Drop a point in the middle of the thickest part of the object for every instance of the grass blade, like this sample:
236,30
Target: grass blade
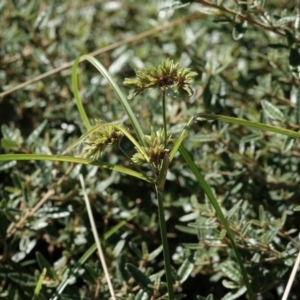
76,160
117,90
39,285
75,87
251,124
220,214
180,139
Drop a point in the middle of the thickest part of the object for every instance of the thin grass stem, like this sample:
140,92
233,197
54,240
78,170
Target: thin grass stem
292,278
163,233
164,115
96,238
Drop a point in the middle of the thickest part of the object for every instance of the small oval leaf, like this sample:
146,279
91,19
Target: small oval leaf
9,144
43,18
139,277
272,111
185,269
155,253
22,279
44,264
36,133
297,208
287,144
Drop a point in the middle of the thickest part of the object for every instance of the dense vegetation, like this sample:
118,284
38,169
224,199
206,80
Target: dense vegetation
242,104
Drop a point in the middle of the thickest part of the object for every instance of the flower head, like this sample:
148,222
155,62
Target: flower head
99,139
164,76
154,148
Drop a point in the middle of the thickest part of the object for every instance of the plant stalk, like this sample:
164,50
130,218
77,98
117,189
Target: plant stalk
164,115
166,253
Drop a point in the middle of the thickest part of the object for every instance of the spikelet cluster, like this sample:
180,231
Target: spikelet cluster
99,139
154,148
166,75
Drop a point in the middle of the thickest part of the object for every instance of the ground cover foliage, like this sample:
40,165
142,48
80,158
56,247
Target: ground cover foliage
247,60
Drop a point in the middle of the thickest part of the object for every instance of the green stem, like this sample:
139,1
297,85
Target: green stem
164,115
163,233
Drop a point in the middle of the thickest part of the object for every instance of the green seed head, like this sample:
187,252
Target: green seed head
99,139
164,76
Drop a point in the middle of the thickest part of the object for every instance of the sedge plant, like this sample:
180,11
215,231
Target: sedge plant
155,150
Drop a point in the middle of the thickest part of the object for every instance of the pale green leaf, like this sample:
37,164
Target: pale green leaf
272,111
